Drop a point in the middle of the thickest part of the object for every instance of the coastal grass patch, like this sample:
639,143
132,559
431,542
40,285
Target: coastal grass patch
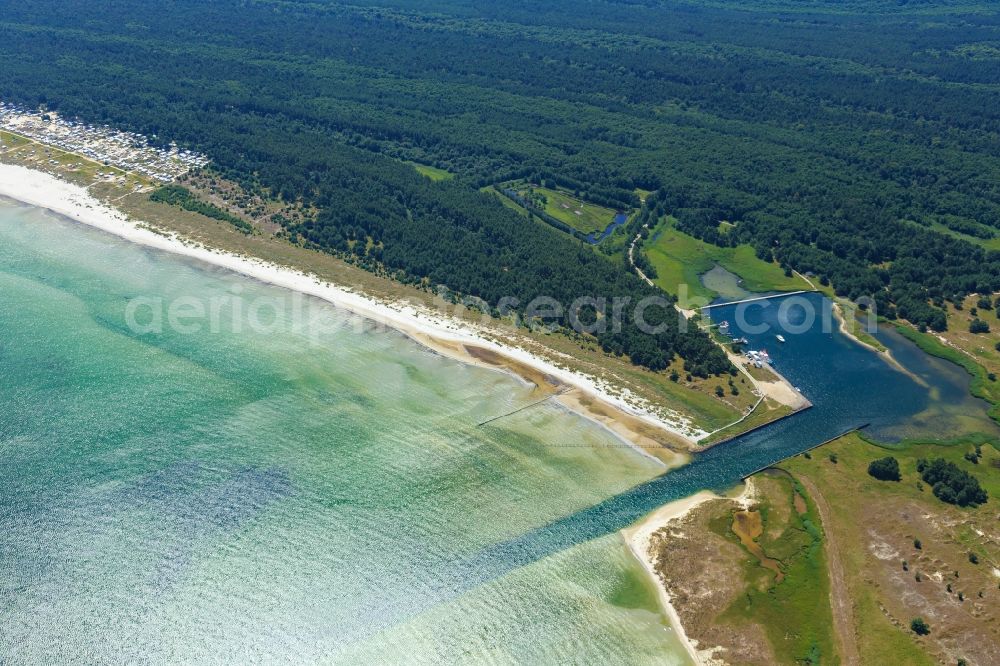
681,260
767,412
68,166
957,451
11,141
854,323
695,398
876,524
787,588
981,347
178,195
854,452
854,318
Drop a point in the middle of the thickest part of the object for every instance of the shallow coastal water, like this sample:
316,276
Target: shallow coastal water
726,284
313,489
304,488
849,385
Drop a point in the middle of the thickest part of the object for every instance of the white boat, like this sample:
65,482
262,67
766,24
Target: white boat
780,338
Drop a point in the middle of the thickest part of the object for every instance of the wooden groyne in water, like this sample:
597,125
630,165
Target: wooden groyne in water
758,298
520,409
816,446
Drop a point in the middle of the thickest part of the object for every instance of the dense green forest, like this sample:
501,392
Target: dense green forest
857,140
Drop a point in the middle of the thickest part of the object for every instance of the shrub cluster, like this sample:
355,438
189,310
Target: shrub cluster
951,484
885,469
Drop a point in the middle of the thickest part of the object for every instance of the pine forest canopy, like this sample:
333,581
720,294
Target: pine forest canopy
856,140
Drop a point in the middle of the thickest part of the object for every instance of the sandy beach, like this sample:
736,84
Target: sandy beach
639,537
620,412
642,428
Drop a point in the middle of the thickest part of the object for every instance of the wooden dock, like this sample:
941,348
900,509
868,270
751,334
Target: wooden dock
758,298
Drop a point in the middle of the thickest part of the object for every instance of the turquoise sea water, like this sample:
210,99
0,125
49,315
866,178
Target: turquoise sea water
310,490
254,495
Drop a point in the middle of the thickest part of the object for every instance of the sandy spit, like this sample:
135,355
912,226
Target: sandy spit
639,538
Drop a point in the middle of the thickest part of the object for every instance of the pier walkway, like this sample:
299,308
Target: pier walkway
758,298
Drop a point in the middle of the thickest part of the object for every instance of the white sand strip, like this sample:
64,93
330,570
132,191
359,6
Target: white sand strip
46,191
639,537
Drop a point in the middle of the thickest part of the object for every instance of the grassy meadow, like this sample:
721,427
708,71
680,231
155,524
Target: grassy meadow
432,172
879,525
787,588
585,217
680,259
